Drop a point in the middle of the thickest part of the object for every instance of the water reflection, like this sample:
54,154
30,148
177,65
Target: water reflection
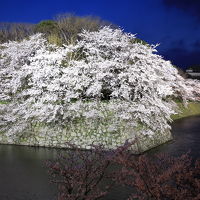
24,177
186,134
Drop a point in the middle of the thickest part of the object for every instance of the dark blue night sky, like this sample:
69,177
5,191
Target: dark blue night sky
175,24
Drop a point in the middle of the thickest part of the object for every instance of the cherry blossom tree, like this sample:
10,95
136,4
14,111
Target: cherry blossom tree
105,77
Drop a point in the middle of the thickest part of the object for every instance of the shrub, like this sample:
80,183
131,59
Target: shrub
54,39
47,27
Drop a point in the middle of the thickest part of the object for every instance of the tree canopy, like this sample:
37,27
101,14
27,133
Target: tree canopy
103,74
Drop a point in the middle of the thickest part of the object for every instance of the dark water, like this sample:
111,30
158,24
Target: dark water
23,175
186,137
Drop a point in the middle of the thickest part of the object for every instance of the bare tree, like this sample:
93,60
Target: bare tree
161,177
15,31
79,175
70,26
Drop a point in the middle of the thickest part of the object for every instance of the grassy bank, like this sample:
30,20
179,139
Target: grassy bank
3,102
192,109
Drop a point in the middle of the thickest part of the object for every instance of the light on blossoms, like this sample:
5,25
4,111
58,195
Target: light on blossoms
106,75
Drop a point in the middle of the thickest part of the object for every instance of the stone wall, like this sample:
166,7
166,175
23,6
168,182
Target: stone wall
84,134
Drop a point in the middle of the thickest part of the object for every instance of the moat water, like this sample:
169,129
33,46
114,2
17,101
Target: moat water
23,175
